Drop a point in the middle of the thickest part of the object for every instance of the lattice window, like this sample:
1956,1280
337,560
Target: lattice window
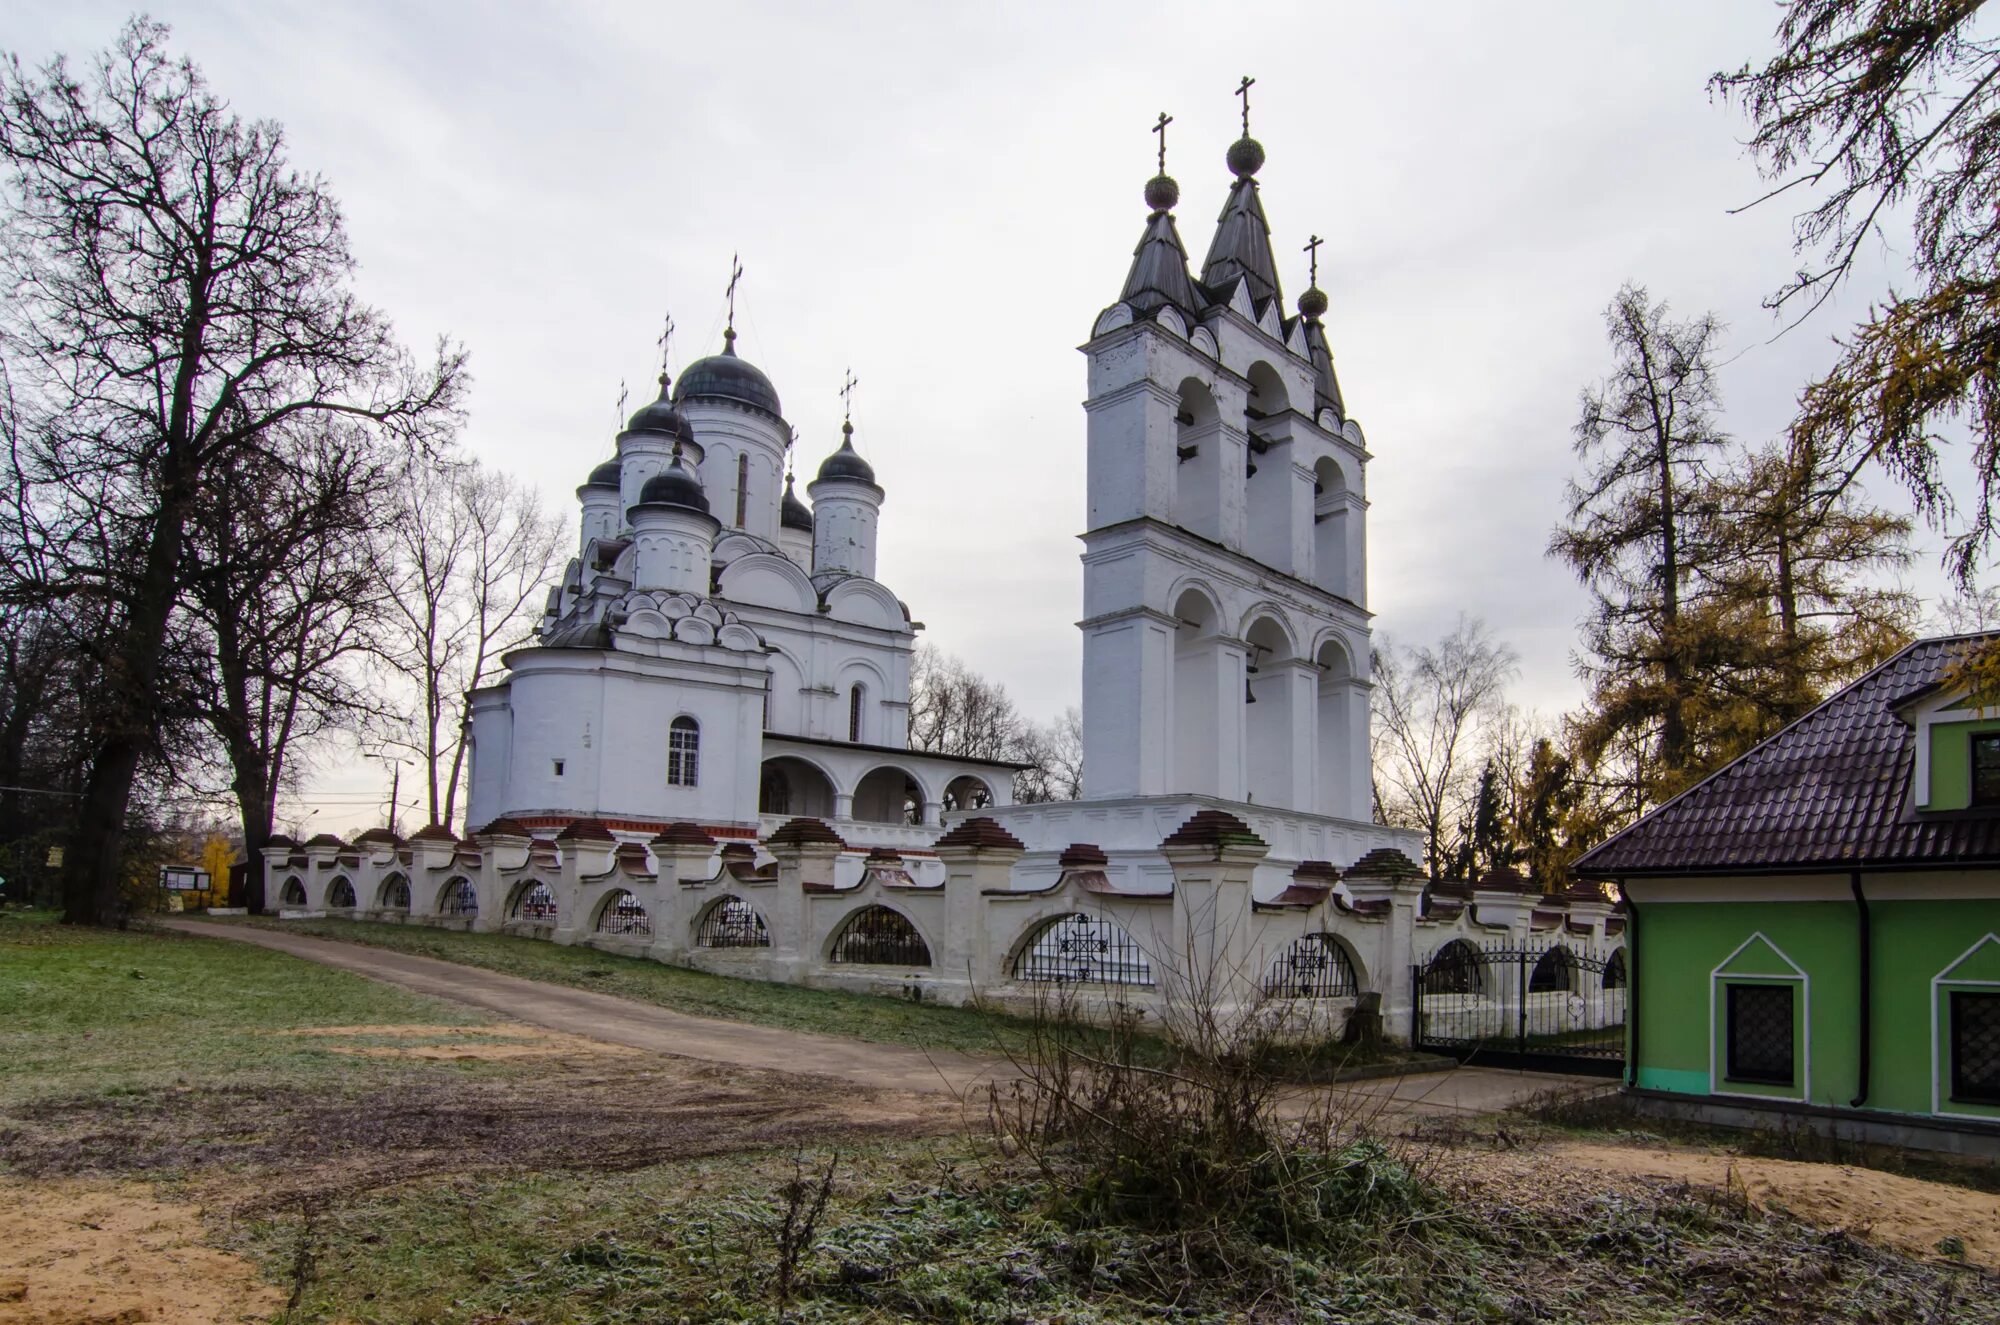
1456,969
340,894
1986,769
460,898
684,753
1614,970
877,936
1975,1047
624,915
1312,967
1085,950
1761,1036
293,893
732,923
537,903
396,893
1554,973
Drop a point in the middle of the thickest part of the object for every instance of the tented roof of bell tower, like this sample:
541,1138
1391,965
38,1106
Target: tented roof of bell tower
1241,249
1159,275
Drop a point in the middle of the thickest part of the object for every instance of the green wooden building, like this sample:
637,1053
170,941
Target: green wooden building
1814,931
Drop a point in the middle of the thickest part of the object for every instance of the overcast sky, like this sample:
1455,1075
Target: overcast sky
944,197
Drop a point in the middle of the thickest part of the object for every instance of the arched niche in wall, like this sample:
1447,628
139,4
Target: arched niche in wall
889,795
794,788
1273,720
1334,725
1330,517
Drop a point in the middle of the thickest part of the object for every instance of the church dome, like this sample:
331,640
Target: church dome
676,485
794,514
846,463
661,417
725,377
606,475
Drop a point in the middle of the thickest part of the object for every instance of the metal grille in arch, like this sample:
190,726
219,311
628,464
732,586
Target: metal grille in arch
1312,967
624,915
877,936
1083,949
732,923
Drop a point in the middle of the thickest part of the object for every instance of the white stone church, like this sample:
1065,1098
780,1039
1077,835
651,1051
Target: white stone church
703,757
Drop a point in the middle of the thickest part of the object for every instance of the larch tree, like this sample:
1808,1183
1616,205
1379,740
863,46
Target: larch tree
178,295
471,555
1640,533
1880,114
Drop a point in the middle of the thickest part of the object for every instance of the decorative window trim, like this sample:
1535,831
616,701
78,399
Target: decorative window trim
1717,1044
1941,984
1939,713
1972,773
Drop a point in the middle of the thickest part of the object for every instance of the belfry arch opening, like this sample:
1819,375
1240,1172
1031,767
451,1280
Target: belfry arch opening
1197,692
1273,716
1198,462
1335,696
1267,473
1330,518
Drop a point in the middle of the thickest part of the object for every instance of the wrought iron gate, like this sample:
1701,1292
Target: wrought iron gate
1546,1007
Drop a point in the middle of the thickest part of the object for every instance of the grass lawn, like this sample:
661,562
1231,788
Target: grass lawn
92,1012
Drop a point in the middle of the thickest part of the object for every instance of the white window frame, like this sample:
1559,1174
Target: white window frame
1940,1050
1717,1049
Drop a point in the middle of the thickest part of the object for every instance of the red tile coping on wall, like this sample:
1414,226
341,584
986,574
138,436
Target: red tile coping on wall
980,833
434,833
649,826
328,840
1506,879
585,830
683,834
1316,873
503,827
1385,863
805,832
374,835
1082,855
1213,828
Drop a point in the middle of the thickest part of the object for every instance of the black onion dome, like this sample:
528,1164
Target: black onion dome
606,475
846,463
660,417
793,513
676,485
725,377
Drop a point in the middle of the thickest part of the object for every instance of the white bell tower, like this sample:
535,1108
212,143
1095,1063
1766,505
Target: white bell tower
1225,624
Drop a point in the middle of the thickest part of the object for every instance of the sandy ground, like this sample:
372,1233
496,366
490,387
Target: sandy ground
1907,1214
458,1044
107,1253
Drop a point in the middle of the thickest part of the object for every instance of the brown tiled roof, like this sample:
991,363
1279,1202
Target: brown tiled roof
1831,791
324,840
280,840
503,827
434,833
1316,872
804,832
373,835
1213,828
586,830
683,835
979,832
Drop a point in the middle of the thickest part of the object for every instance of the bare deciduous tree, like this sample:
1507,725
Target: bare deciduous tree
1430,704
177,292
956,711
471,553
1053,752
286,578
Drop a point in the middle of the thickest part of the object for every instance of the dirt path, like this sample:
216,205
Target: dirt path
637,1025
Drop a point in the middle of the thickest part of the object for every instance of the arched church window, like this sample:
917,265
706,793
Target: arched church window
855,699
742,489
684,753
